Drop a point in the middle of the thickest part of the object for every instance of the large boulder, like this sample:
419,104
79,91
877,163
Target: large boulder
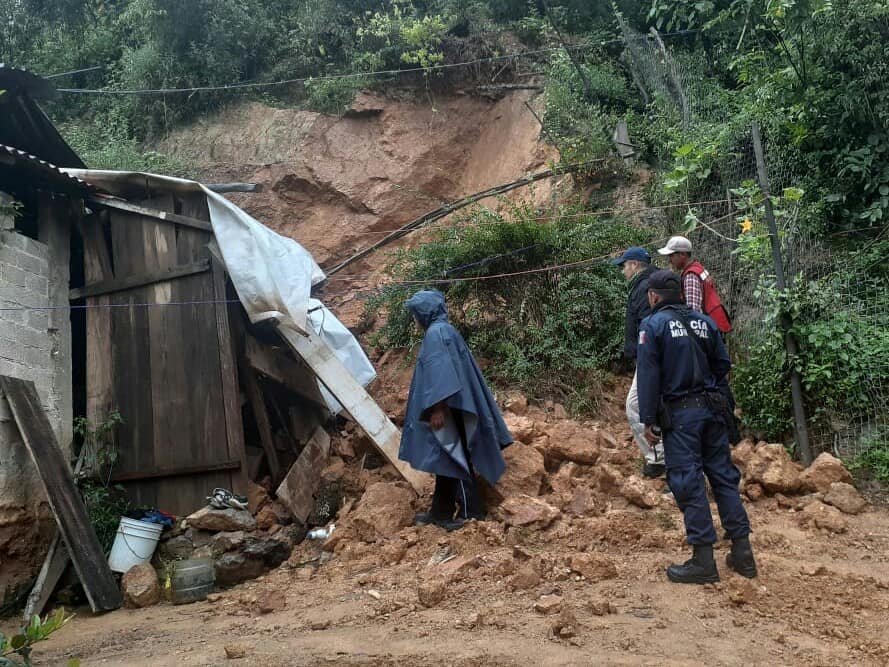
771,467
227,520
640,493
593,566
524,471
824,471
570,441
523,510
845,498
384,509
140,586
523,429
234,567
742,453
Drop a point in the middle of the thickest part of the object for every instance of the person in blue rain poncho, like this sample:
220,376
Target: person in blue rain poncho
452,426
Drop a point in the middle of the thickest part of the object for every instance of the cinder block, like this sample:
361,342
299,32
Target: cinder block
12,276
38,285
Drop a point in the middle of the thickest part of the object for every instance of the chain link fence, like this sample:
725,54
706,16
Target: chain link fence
845,311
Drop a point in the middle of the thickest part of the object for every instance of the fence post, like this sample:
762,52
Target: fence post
796,390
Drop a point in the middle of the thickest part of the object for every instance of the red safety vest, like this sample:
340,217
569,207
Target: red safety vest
712,303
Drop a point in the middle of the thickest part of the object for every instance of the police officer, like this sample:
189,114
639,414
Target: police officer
680,360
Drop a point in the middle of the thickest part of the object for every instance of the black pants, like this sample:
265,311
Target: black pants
451,493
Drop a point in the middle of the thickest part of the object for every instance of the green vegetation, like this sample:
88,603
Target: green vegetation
16,651
552,334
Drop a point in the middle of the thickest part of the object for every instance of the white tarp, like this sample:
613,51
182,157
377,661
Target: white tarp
273,275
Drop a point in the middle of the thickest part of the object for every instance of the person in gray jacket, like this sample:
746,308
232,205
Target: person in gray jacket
635,264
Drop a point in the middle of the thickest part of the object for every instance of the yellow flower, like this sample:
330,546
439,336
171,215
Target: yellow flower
746,226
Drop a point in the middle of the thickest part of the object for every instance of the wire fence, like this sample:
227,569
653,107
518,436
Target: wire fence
730,239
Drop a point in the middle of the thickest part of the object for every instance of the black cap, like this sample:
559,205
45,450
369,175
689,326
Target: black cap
663,280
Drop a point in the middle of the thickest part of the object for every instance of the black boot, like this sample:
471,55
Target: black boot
740,558
700,569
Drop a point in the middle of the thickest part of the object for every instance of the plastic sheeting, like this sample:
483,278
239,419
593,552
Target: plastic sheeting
273,275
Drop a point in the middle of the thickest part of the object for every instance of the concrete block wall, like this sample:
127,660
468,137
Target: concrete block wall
34,345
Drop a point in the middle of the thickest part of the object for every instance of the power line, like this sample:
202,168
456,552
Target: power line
336,77
76,71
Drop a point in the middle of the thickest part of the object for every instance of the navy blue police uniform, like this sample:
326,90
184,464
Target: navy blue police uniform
680,377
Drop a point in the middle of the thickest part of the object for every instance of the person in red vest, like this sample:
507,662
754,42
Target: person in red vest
698,287
700,295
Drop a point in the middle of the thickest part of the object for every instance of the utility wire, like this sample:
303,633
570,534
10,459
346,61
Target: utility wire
336,77
76,71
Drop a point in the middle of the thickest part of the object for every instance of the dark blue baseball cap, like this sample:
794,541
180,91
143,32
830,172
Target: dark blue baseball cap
637,253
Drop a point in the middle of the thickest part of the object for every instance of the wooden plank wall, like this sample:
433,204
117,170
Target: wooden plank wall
167,369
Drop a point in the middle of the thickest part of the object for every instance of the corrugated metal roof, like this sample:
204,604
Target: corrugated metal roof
20,171
14,78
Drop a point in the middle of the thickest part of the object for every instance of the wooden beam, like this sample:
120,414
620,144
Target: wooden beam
64,498
53,567
140,280
297,491
159,473
234,425
283,369
257,404
172,218
354,398
235,187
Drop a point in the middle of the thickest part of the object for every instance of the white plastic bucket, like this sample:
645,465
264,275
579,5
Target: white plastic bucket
134,544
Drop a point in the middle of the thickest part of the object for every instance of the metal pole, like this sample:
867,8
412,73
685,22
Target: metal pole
796,389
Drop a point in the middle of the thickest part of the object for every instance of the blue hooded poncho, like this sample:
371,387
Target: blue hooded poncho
446,371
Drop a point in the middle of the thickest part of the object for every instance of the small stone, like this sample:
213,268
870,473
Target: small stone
215,520
565,626
320,625
741,591
812,570
235,652
754,491
523,510
601,607
518,405
593,566
177,548
431,593
140,586
771,468
525,579
375,594
640,493
845,498
548,604
266,518
271,601
213,598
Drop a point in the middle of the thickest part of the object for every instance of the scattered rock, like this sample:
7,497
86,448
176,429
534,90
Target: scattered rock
518,405
225,542
601,607
140,586
581,503
431,593
257,496
334,471
234,567
523,510
812,570
640,493
320,625
608,478
742,453
266,518
823,516
593,566
771,467
177,548
559,411
216,520
235,652
213,598
570,441
565,625
548,604
524,579
271,601
458,569
754,491
524,471
523,429
741,591
824,471
845,498
374,593
384,509
270,550
566,478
